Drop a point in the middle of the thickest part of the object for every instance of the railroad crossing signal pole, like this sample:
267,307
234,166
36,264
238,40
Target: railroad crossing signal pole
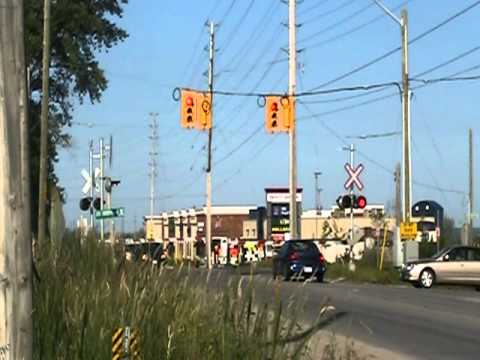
292,79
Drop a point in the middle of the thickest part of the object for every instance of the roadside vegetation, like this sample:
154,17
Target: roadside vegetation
83,292
366,270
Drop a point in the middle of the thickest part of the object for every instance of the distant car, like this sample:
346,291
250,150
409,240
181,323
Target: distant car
452,265
297,258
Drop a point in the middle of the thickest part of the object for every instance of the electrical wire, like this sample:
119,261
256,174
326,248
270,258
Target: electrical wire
398,48
327,13
313,7
337,23
236,28
351,30
425,72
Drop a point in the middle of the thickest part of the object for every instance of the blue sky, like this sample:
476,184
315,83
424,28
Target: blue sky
165,50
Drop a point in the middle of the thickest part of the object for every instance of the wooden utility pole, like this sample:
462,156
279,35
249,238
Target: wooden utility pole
15,227
43,177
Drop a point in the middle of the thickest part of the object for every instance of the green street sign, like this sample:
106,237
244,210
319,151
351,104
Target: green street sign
109,213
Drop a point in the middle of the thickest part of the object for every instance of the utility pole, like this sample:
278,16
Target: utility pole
153,163
209,159
398,195
407,160
102,187
317,201
397,255
471,205
292,82
406,94
15,226
43,176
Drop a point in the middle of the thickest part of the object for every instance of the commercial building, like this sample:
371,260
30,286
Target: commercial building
184,227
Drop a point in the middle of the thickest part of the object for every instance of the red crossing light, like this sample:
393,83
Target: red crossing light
361,202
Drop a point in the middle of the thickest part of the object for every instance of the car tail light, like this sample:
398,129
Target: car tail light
294,256
322,259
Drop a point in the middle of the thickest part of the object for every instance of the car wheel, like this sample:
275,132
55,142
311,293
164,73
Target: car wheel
427,278
319,278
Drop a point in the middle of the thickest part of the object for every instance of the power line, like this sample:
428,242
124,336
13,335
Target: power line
313,7
337,23
425,72
373,161
398,48
352,30
257,32
329,12
236,28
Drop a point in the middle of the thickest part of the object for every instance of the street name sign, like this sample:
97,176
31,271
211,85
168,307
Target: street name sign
110,213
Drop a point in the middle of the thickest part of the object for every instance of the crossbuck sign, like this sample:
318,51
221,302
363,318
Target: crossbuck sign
353,177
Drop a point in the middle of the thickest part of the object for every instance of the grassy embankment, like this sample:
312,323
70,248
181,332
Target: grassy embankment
83,293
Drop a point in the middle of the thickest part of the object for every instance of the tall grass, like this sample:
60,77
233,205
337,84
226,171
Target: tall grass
83,293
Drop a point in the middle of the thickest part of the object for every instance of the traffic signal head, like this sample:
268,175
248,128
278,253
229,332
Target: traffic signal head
204,111
188,115
96,203
272,114
85,203
278,114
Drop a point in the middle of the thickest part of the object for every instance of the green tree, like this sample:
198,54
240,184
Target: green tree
80,30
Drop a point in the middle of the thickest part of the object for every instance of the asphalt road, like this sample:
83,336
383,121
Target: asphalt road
441,323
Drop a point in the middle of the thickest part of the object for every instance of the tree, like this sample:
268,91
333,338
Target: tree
80,29
15,235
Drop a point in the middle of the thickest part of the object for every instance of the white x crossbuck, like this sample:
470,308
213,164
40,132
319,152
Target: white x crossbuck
353,177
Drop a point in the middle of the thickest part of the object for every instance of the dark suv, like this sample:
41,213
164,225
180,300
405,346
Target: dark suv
299,258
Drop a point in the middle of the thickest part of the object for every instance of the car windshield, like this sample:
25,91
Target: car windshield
303,246
441,253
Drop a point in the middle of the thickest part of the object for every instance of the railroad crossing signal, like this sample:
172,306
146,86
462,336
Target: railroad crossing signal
279,113
196,110
351,201
353,177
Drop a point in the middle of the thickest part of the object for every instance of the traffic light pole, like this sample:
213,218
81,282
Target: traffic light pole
292,79
208,234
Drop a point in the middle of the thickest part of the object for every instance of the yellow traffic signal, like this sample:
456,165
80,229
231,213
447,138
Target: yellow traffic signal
288,104
272,114
188,109
279,113
204,111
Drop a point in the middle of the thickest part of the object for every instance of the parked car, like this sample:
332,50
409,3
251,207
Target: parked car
452,265
299,258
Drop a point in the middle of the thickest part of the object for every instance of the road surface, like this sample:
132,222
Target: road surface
441,323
